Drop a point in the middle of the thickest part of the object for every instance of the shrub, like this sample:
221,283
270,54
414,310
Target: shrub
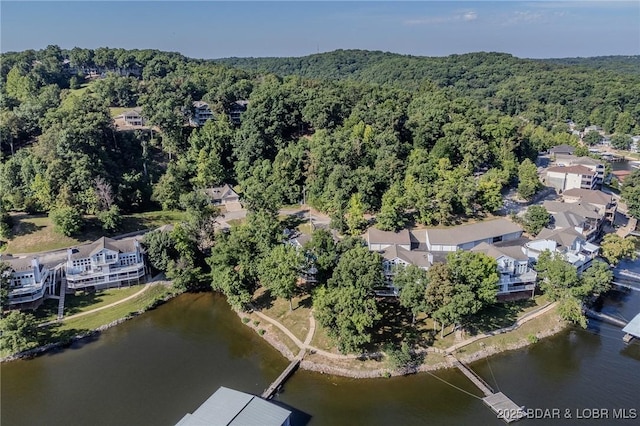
261,332
532,338
245,320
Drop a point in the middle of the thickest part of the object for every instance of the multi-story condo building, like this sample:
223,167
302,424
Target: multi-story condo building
516,274
105,263
563,178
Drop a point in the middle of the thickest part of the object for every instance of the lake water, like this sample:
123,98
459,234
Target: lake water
153,369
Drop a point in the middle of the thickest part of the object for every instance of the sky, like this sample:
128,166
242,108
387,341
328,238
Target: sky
216,29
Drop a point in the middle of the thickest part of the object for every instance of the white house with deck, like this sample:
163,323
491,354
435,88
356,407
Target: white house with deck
516,274
567,242
29,280
105,263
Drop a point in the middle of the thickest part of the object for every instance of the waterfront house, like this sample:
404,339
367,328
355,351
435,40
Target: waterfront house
562,178
395,249
308,271
568,242
228,407
105,263
516,274
466,237
30,281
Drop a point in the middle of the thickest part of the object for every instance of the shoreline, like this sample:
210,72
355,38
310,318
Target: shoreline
40,350
325,365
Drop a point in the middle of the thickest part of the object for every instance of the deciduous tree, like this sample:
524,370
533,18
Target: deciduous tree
615,248
279,271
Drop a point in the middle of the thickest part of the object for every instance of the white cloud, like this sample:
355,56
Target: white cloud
470,16
466,16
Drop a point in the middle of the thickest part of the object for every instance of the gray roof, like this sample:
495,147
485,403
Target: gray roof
200,104
564,237
17,264
588,196
585,210
417,258
573,160
228,407
633,327
512,250
562,148
473,232
88,250
376,236
567,220
221,192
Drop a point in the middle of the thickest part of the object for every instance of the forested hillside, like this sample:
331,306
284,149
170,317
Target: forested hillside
619,64
591,90
422,140
356,130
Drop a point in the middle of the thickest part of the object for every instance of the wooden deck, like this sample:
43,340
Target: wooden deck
293,366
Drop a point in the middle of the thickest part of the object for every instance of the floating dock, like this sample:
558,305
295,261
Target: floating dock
504,408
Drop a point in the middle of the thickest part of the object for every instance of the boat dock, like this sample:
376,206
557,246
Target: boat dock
632,329
277,383
504,407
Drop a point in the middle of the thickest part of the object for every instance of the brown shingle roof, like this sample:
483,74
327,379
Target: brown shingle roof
578,170
588,196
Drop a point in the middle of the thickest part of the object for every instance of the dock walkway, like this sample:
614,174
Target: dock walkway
293,366
504,408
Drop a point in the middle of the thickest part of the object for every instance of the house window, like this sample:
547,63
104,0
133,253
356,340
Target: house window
497,239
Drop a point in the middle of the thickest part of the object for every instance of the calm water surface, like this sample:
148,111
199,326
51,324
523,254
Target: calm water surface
155,368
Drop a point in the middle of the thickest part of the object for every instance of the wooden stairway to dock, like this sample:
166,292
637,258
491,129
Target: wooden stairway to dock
63,292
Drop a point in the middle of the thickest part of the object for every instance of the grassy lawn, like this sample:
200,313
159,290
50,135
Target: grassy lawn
297,320
34,233
97,319
503,342
116,111
495,317
83,301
